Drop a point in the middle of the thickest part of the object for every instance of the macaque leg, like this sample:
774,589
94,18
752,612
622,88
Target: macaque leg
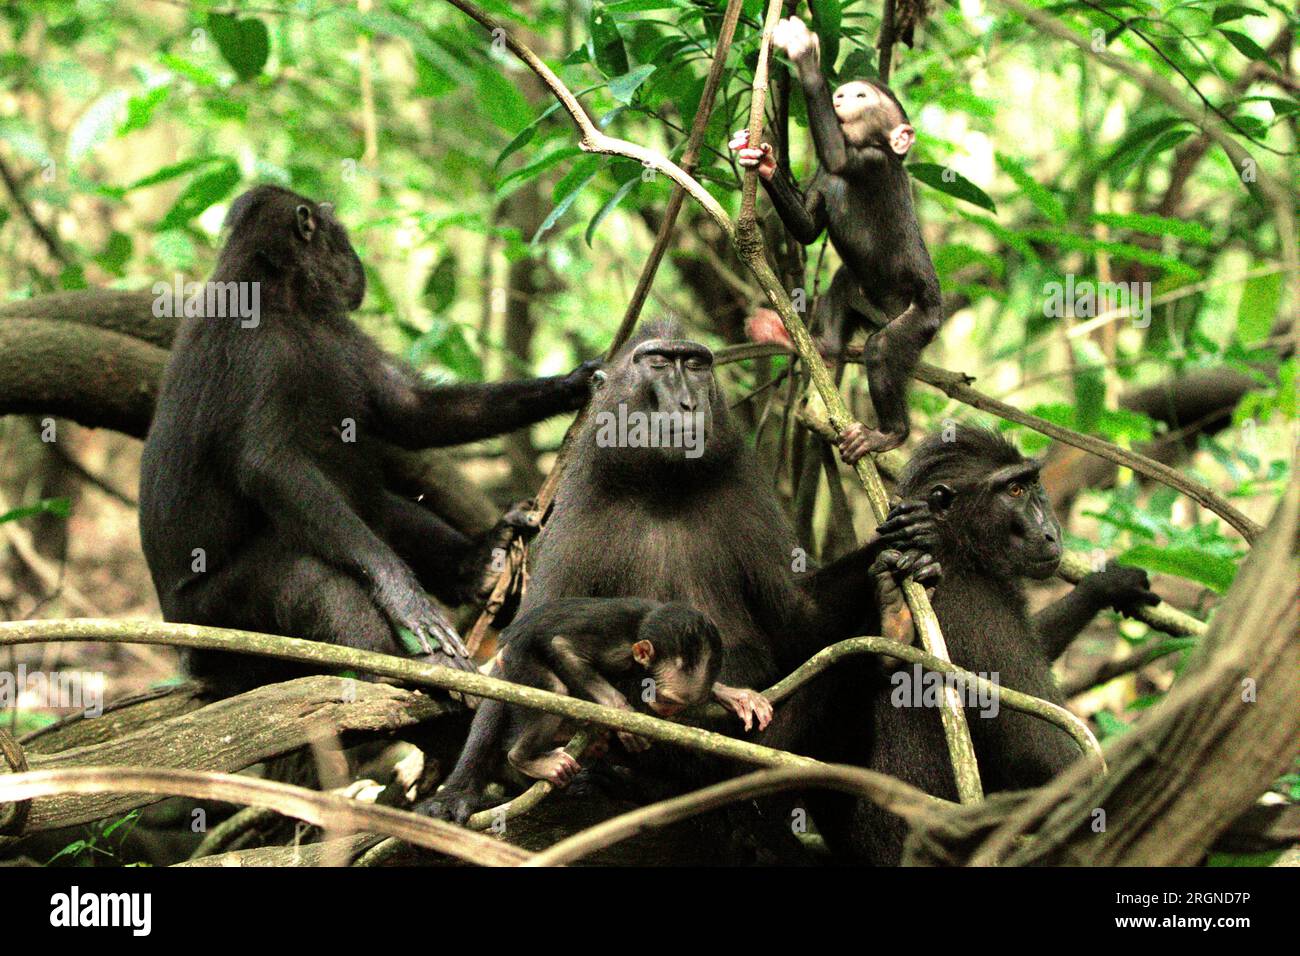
748,705
531,754
891,356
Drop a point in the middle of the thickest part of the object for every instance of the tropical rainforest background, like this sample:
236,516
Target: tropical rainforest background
495,247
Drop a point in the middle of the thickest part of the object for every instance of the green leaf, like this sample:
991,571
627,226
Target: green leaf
60,507
1234,11
440,288
117,251
191,71
140,109
1089,386
606,44
1185,229
1042,198
624,87
245,43
1260,298
97,124
1245,45
500,99
525,173
826,18
1148,139
563,205
174,170
1214,571
947,180
609,206
202,192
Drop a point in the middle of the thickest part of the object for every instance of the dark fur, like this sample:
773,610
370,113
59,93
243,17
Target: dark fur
708,532
862,195
987,544
245,458
603,629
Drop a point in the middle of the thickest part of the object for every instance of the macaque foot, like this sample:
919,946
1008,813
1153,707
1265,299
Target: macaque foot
748,705
454,805
858,440
557,767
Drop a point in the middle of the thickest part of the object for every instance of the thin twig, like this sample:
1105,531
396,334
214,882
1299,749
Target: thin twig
957,385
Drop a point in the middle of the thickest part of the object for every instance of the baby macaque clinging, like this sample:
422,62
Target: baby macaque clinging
618,652
862,195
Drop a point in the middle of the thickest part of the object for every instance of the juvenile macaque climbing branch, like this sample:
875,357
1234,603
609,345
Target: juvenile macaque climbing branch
748,242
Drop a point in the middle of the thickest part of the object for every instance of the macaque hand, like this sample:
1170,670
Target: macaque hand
855,442
798,42
632,743
750,158
1120,588
748,705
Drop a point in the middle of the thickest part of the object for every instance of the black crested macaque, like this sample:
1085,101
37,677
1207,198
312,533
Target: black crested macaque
862,195
612,651
993,527
700,524
264,503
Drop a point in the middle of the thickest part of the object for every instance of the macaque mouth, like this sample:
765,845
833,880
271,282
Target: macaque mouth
666,709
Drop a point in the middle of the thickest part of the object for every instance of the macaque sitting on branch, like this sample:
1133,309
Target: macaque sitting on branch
612,651
862,195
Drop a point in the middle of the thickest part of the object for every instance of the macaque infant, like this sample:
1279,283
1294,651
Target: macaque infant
862,196
619,652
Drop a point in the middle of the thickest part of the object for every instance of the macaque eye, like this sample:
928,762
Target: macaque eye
696,364
1016,490
657,361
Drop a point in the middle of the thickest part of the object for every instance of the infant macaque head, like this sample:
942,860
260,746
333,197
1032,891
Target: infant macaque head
682,650
869,115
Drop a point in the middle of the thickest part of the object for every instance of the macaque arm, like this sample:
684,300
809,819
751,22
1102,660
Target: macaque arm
1061,622
804,216
841,594
828,138
311,510
412,414
582,679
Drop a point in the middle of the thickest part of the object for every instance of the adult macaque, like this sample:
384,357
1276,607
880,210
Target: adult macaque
993,529
613,651
862,195
264,503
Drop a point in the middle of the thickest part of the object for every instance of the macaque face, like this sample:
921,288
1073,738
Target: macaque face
676,687
869,117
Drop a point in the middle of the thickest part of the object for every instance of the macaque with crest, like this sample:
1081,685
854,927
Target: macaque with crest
862,195
612,651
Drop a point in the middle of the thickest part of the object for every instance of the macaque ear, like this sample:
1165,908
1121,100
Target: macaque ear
305,223
940,497
643,652
901,138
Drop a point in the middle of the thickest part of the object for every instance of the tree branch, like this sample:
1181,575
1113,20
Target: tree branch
748,241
